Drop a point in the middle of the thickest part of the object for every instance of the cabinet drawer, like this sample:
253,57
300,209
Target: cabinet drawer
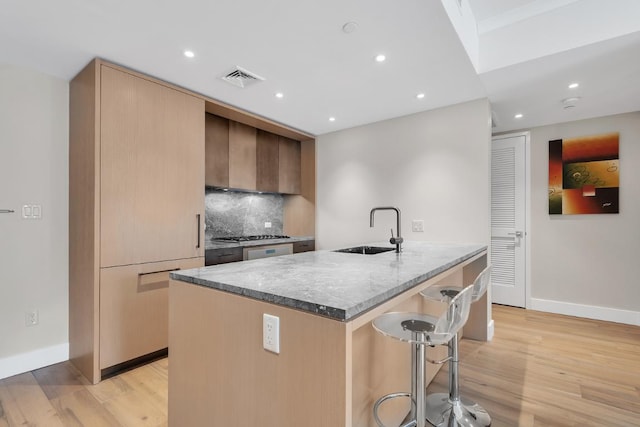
305,246
222,256
134,305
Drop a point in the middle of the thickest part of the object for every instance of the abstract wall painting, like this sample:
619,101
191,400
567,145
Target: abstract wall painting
584,175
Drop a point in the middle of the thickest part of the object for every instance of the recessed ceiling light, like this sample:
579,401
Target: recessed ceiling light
518,116
573,85
189,53
380,58
279,95
420,95
332,119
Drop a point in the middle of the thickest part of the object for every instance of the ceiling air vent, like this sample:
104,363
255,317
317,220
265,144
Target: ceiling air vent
242,78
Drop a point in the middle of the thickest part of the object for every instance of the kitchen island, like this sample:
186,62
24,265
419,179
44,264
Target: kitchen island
331,366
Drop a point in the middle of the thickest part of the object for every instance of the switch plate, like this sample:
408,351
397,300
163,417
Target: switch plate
271,333
267,224
32,211
417,225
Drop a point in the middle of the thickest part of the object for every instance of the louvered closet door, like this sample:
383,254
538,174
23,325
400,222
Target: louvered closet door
508,220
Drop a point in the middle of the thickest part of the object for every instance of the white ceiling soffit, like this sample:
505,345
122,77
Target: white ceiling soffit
548,27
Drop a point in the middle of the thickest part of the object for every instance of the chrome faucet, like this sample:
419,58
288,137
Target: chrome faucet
394,240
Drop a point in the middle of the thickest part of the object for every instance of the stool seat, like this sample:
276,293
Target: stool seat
415,328
441,293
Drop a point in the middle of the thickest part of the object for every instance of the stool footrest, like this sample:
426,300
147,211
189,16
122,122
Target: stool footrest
384,399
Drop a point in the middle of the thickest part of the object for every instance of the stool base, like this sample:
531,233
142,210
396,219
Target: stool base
441,412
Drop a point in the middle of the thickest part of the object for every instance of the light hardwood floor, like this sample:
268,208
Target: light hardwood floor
540,370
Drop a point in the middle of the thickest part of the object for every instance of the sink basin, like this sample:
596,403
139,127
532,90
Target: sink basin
365,250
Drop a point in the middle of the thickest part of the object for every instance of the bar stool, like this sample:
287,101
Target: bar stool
450,409
421,330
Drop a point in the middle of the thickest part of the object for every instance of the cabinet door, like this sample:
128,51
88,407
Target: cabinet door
152,171
242,156
134,305
289,166
216,135
267,160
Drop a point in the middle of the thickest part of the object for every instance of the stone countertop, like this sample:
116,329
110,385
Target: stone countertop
333,284
212,244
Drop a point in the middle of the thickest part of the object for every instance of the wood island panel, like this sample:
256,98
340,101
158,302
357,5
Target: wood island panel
221,376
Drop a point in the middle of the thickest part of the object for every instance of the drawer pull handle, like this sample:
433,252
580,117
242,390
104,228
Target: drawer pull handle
154,280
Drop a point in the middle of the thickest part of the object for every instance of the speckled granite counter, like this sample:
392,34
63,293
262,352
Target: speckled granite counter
333,284
213,244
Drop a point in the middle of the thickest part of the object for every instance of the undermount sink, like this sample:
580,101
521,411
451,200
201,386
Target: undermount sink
365,250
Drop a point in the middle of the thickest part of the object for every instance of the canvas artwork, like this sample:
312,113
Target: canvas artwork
584,175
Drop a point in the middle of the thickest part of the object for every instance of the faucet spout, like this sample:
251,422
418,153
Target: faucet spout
394,240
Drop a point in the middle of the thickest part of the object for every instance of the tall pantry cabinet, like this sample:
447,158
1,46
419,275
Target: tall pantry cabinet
136,211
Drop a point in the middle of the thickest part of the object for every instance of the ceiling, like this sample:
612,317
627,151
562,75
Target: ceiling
521,54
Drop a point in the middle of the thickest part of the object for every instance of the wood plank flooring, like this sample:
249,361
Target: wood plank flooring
540,370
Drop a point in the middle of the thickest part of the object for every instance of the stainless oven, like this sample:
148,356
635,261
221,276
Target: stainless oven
256,252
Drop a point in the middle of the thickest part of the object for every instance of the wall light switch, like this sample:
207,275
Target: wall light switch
417,225
36,211
27,211
267,224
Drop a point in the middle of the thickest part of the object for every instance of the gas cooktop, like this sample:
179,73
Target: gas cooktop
249,238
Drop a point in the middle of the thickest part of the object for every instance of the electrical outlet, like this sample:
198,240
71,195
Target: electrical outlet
271,333
31,318
417,225
267,224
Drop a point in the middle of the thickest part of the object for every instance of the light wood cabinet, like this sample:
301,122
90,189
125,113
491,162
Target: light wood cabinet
136,180
216,151
134,309
267,161
289,166
151,171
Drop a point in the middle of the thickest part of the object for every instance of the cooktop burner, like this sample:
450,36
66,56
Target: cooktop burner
248,238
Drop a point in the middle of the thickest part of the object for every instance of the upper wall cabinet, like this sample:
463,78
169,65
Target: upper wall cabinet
242,157
267,161
152,171
289,166
217,151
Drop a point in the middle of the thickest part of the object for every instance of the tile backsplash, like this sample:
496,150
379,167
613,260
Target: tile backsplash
231,213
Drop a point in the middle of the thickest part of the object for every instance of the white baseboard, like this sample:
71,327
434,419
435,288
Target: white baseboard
588,311
490,329
25,362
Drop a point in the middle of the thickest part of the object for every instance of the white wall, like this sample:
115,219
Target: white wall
433,165
587,265
33,253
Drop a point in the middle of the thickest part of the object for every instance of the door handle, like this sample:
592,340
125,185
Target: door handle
198,218
517,234
7,211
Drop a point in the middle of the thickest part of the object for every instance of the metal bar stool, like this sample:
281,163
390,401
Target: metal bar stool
421,330
452,410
